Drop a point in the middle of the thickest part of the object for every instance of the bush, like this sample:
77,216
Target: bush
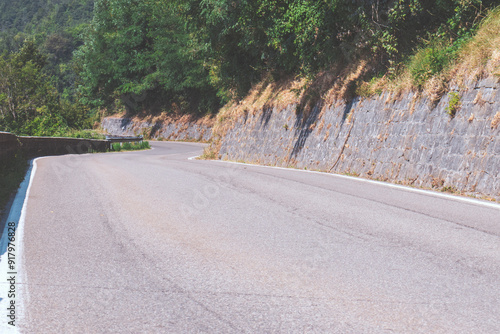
143,145
454,104
436,57
116,147
428,62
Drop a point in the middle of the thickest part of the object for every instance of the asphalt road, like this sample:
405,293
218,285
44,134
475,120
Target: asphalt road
151,242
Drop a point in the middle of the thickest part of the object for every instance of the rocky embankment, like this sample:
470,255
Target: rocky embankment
184,128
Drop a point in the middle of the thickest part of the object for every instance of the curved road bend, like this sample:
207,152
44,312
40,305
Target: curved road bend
151,242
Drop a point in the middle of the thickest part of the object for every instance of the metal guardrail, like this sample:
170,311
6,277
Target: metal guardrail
123,139
42,146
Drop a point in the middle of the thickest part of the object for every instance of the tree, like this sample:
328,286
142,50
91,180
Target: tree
29,105
137,48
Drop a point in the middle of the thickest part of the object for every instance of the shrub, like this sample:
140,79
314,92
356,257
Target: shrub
116,147
454,104
127,146
428,62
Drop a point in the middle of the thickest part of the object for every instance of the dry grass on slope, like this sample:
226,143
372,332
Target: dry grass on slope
328,87
477,58
433,69
481,56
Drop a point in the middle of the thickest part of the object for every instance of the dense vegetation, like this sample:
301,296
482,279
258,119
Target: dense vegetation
65,59
37,77
29,103
141,53
56,26
191,48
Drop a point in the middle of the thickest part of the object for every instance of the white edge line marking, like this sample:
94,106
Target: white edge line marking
192,158
22,295
386,184
23,291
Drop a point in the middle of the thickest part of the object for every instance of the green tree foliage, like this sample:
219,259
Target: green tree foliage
244,39
29,104
139,51
43,16
198,53
56,28
307,36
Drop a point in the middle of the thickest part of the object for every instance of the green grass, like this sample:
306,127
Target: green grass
430,61
144,145
454,104
441,60
11,175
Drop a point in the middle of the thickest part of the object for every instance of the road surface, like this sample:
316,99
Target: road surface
152,242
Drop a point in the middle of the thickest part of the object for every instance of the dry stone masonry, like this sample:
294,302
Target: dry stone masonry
406,140
179,130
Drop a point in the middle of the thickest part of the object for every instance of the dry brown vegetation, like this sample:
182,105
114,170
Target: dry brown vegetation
478,58
496,121
481,56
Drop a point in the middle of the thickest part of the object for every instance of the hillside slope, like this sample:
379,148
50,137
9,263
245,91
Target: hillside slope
32,16
444,134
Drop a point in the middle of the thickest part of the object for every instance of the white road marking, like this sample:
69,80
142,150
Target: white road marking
385,184
17,215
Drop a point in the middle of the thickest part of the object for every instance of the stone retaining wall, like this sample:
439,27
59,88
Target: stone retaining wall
406,141
42,146
8,145
180,129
